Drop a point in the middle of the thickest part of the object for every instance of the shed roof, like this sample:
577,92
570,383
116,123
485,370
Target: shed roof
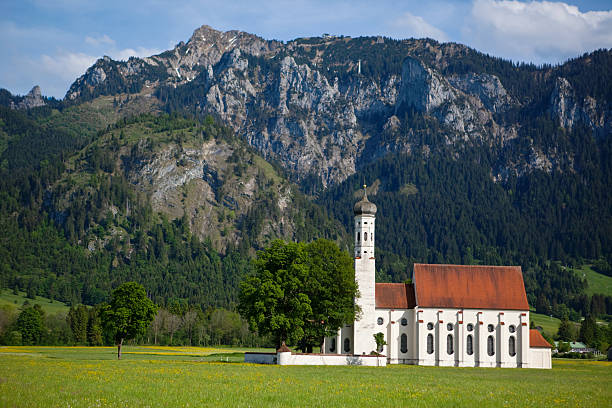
395,296
537,340
470,287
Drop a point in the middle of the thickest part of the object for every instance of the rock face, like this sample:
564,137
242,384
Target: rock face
569,110
321,107
33,99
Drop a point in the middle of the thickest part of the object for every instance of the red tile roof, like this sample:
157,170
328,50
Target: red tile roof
470,287
537,340
395,296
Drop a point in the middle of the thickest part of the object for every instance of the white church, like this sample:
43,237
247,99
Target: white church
450,315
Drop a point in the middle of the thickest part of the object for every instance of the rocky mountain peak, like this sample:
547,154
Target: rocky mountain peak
32,99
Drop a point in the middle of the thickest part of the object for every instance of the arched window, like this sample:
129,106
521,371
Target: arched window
332,346
430,347
404,343
358,237
512,346
404,322
347,345
365,236
491,346
449,344
470,345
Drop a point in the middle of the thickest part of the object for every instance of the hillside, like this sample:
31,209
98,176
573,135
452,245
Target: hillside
174,169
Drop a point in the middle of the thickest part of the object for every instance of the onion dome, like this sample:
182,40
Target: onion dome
364,207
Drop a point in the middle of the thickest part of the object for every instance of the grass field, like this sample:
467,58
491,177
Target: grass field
155,376
50,307
598,283
549,324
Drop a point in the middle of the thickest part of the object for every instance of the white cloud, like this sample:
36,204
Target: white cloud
409,25
67,65
538,31
126,53
101,40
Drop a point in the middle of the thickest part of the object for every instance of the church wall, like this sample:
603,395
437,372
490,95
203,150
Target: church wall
393,329
481,321
540,358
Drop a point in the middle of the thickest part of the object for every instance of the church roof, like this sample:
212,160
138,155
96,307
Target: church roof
470,287
537,340
395,296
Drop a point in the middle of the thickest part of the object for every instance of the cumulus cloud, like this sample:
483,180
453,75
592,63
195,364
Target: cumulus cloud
409,25
538,31
66,66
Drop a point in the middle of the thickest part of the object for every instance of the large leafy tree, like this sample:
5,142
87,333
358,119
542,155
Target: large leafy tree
128,314
273,298
331,288
299,293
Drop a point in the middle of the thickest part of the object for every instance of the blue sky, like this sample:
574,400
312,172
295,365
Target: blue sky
51,43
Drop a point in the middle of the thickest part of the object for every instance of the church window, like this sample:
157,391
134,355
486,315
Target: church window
470,345
430,346
347,345
490,327
449,327
449,344
404,343
430,326
380,321
404,322
365,236
491,346
332,346
358,237
511,328
512,346
470,327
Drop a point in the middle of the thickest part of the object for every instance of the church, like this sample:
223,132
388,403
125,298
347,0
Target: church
449,315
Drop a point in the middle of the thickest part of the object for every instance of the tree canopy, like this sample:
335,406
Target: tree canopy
299,293
129,313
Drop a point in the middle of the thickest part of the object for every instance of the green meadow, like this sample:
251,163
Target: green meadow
211,377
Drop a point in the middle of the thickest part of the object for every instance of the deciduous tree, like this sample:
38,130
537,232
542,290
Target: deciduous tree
128,314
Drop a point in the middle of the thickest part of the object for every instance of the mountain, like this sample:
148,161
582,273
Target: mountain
323,107
174,169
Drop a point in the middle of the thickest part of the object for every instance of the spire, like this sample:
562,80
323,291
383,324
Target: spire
364,206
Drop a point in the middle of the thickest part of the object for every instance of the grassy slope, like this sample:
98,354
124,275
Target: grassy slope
598,283
549,324
83,377
50,307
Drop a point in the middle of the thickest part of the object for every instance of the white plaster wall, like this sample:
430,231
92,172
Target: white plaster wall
540,357
331,359
460,318
393,330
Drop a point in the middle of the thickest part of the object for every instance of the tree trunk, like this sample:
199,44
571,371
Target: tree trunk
119,349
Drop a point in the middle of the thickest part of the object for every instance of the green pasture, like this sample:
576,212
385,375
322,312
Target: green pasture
598,283
181,377
549,324
7,297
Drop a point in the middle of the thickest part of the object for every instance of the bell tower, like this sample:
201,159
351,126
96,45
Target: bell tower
365,267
